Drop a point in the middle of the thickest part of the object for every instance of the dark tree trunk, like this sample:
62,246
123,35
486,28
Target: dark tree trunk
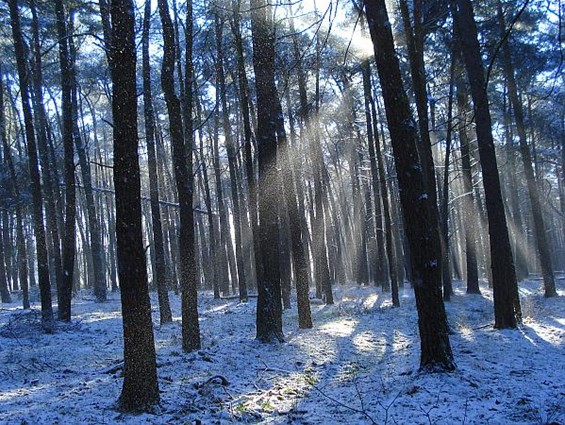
69,242
140,391
99,284
231,152
518,231
216,269
415,45
49,182
182,156
505,288
269,307
14,191
380,272
245,105
321,271
41,246
189,305
469,208
420,212
8,234
395,278
544,255
4,290
415,42
379,181
6,160
298,249
224,239
446,269
300,151
160,271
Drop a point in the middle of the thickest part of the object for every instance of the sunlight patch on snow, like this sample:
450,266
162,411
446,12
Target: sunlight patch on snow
8,395
366,342
342,327
553,335
218,308
370,301
101,315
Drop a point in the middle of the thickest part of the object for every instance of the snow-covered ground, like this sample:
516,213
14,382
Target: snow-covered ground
358,365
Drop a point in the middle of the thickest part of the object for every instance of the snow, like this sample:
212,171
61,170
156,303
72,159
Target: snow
357,366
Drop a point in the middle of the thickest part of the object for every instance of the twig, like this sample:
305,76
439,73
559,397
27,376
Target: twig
362,412
483,327
465,412
274,369
387,408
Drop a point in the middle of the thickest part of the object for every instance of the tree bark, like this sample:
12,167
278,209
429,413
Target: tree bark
160,272
49,182
269,307
469,208
544,255
140,391
231,152
22,260
69,242
41,245
182,156
5,296
420,212
506,302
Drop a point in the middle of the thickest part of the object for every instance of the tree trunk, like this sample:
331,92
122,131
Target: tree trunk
69,242
217,269
7,158
231,152
182,157
446,270
41,246
505,288
469,208
420,212
4,290
384,192
160,271
533,192
269,307
140,391
47,168
321,271
300,265
225,239
14,191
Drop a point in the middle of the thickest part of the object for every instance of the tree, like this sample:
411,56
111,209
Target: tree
533,191
182,157
505,288
160,273
469,209
269,306
41,245
379,181
5,296
15,193
418,207
69,242
231,152
140,391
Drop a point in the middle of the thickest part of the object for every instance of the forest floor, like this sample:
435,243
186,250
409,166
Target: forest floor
357,366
